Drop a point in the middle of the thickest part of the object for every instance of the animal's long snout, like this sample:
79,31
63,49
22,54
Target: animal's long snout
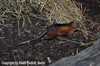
78,28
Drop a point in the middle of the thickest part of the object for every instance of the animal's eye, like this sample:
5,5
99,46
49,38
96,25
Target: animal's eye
77,27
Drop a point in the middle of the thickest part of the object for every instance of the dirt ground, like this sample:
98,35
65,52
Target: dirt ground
61,46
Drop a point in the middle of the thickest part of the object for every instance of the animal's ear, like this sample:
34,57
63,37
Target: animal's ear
75,25
71,21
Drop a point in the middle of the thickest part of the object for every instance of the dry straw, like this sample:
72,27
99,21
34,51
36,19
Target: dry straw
59,11
55,11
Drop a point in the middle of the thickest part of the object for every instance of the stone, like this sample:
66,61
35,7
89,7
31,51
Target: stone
87,57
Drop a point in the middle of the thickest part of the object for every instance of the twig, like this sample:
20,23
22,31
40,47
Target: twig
2,37
14,56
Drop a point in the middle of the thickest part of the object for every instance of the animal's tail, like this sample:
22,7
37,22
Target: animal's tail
34,38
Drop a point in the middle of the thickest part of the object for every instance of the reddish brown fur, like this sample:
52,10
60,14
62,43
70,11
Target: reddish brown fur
55,30
58,29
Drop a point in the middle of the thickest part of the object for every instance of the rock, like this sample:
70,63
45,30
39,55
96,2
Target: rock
90,61
87,57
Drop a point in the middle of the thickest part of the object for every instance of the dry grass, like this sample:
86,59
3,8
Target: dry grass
59,11
55,11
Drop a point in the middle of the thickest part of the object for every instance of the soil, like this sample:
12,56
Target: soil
59,47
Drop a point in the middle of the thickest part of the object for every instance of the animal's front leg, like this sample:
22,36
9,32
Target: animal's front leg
70,34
